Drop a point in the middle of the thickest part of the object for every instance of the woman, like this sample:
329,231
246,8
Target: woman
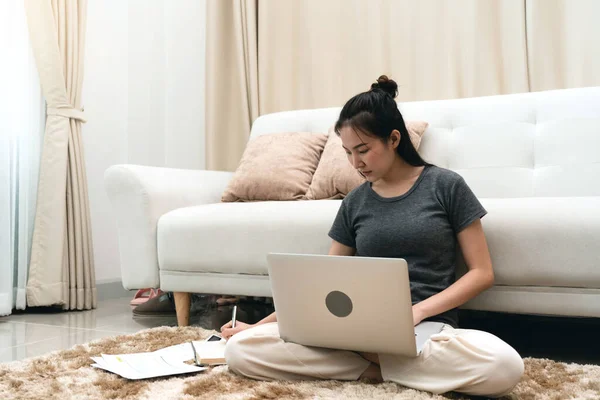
410,209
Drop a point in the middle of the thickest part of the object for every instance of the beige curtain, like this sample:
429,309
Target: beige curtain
563,43
232,80
316,53
61,269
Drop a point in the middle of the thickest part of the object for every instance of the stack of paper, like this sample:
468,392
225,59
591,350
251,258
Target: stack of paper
164,362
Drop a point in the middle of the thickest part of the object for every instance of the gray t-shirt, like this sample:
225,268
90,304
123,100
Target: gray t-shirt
419,226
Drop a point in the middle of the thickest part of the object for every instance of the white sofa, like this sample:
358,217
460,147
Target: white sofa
533,160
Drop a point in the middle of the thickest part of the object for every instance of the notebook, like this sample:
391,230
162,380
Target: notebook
210,351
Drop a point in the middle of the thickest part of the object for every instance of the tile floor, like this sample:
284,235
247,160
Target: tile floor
38,331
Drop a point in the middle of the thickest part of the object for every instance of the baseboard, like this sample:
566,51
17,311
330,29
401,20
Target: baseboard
112,289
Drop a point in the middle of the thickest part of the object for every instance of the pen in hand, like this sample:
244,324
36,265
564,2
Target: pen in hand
233,316
195,354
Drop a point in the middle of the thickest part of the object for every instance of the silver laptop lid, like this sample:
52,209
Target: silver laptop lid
351,303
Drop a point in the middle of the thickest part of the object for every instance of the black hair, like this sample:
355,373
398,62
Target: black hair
375,113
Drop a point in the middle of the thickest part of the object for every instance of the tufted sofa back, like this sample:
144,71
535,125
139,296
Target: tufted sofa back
541,144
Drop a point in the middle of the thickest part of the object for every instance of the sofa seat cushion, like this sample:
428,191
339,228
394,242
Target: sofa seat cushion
235,237
544,241
549,242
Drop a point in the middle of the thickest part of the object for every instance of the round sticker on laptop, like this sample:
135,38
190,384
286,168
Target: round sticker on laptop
339,304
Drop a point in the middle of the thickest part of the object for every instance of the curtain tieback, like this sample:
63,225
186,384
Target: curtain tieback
67,112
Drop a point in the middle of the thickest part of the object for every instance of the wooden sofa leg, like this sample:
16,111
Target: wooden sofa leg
182,307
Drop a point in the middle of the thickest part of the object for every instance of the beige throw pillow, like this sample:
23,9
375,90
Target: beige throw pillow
277,166
335,177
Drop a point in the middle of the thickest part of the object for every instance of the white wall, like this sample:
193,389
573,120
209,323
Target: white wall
143,95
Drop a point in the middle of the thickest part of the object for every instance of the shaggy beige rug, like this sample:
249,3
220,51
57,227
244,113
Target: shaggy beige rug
67,374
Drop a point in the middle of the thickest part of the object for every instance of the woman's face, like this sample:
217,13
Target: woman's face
369,154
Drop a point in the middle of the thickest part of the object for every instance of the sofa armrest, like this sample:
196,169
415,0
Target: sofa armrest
140,195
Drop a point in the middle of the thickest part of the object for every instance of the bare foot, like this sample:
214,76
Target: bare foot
373,372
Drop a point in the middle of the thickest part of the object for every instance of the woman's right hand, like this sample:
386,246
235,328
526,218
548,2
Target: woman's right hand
227,331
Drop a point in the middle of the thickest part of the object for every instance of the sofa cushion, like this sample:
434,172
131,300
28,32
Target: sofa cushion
276,167
533,241
236,237
550,241
335,177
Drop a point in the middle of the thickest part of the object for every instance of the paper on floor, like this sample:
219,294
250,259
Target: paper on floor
164,362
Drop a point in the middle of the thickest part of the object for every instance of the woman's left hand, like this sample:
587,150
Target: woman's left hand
418,315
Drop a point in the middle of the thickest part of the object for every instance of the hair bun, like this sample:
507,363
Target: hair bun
387,85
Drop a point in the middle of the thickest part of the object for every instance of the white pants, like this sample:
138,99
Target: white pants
461,360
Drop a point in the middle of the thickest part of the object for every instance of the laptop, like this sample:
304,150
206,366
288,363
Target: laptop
349,303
